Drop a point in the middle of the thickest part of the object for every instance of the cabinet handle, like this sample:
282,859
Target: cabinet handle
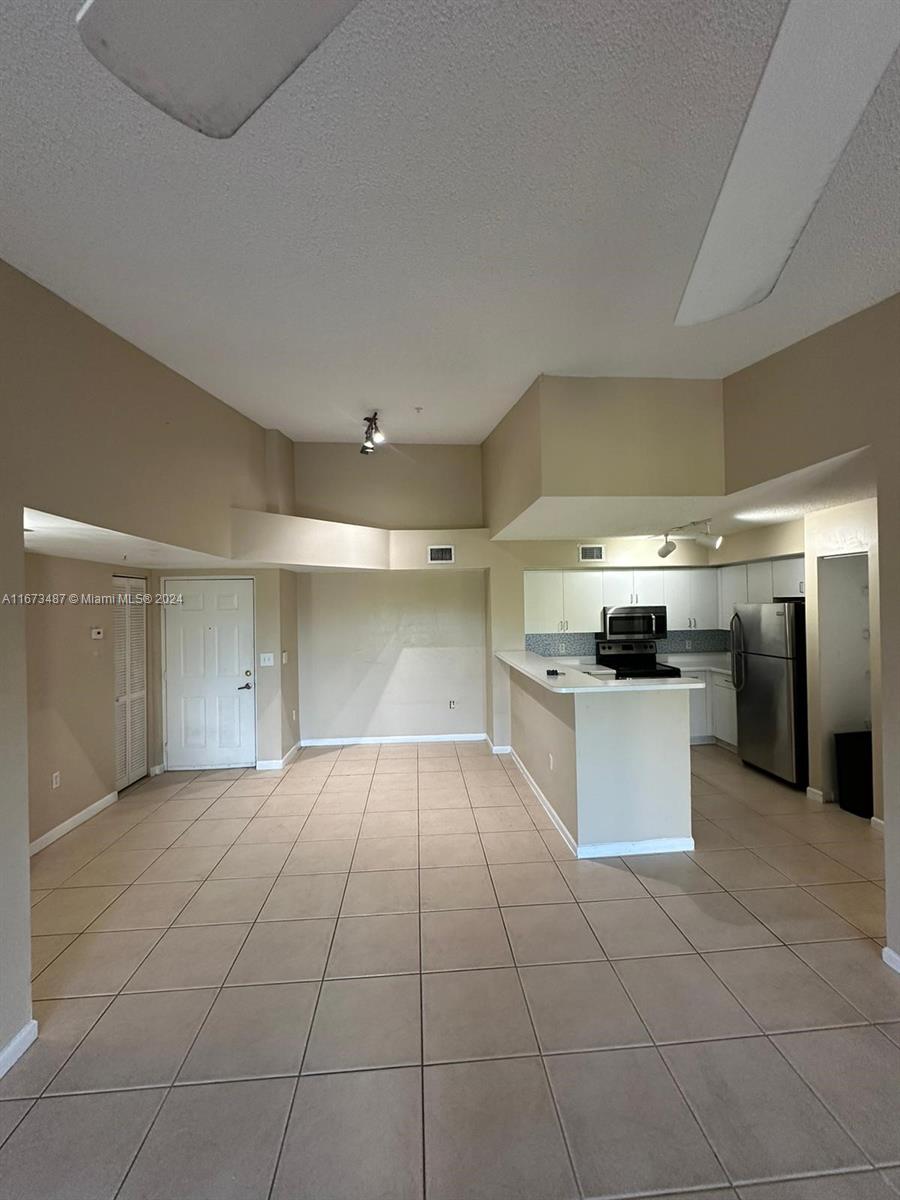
566,623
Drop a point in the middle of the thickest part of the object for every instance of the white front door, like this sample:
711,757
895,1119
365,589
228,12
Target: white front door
209,674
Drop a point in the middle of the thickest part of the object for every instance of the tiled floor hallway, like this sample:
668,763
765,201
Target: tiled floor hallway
239,977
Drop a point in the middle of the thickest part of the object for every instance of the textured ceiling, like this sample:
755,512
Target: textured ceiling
448,198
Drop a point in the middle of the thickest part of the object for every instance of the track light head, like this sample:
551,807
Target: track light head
668,547
373,436
377,436
367,448
710,541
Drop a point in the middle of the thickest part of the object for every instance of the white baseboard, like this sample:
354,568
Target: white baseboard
816,794
730,746
278,764
499,749
546,805
647,846
374,741
157,770
704,739
53,835
891,957
16,1046
878,823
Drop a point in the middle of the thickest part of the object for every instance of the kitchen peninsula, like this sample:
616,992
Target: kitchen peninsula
608,758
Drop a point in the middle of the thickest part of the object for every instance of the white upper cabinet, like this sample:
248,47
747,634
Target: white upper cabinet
618,588
544,602
678,599
759,582
704,598
732,592
650,587
788,577
583,601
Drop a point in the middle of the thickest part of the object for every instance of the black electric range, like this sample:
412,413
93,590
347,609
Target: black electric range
634,660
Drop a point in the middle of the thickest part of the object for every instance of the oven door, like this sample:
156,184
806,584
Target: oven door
633,624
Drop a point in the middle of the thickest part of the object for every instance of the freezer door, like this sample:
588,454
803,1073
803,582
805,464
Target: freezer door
765,713
766,629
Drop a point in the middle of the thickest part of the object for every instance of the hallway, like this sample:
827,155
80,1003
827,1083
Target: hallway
379,972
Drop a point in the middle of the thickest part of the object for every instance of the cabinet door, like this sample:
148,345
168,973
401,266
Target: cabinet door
759,582
704,597
650,587
724,711
543,601
732,592
583,601
618,588
788,577
700,722
678,598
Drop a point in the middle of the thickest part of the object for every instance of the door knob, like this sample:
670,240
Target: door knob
245,687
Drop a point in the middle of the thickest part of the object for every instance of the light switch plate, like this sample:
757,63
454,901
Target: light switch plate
284,656
267,660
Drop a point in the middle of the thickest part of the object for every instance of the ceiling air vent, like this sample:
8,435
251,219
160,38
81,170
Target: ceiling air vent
591,554
440,554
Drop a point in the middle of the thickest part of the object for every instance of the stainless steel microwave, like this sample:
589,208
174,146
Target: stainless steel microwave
626,623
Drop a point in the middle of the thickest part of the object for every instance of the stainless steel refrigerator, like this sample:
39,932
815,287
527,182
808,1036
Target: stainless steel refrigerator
768,669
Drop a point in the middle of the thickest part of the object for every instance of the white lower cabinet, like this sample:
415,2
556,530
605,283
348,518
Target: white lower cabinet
701,718
724,709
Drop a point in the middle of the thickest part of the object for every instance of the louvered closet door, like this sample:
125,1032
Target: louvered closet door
130,656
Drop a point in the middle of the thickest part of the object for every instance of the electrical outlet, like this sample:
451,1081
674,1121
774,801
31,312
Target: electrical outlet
562,648
284,656
267,660
55,780
550,761
453,704
293,714
688,644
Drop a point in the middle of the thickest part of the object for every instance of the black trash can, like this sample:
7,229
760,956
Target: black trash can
853,772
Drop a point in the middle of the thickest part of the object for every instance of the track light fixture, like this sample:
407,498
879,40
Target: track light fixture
668,547
373,436
712,541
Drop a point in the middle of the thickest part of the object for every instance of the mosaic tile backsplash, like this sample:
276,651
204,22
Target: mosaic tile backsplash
581,645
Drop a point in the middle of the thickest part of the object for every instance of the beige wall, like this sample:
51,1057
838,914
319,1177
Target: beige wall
397,487
511,461
383,654
279,472
290,670
71,692
543,724
760,542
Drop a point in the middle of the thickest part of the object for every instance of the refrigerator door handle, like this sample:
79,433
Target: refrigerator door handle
737,653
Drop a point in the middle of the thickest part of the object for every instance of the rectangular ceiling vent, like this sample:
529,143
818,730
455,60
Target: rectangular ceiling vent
591,554
440,554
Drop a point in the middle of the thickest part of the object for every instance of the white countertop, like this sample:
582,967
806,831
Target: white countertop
576,679
719,663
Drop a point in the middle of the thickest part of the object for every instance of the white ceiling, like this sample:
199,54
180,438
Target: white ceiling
447,198
840,480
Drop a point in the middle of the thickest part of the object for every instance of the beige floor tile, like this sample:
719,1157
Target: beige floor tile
862,904
490,1128
608,879
580,1006
286,806
601,1097
513,819
379,1151
38,894
320,827
456,887
475,1014
393,799
386,854
856,970
865,858
330,804
530,883
206,832
442,821
550,933
805,864
559,848
140,1041
153,835
283,952
451,850
437,798
320,858
11,1113
250,785
113,867
717,921
739,870
61,1026
213,1142
892,1030
708,836
856,1073
756,831
833,826
372,893
227,773
761,1119
357,785
494,795
96,964
299,785
204,789
671,874
45,949
53,1155
432,750
226,901
362,1023
717,805
71,910
868,1185
389,824
460,939
681,1000
180,810
252,1032
780,991
796,916
634,928
247,862
432,765
183,865
195,957
296,897
145,906
379,945
396,766
271,830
